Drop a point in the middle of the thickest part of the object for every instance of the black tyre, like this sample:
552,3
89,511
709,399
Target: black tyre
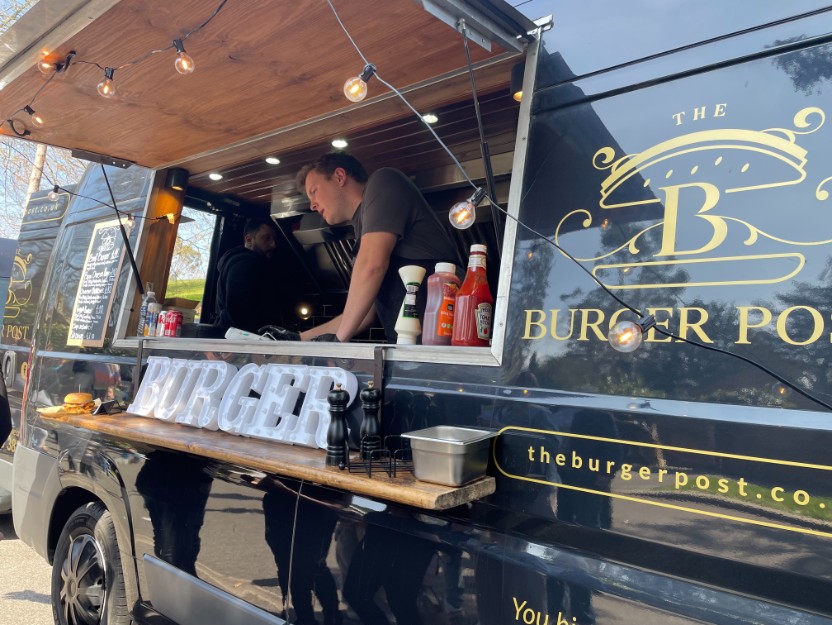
87,579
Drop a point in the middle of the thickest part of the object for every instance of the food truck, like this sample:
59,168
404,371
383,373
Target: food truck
663,179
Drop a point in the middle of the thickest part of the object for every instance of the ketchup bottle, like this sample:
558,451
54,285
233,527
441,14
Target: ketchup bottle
474,305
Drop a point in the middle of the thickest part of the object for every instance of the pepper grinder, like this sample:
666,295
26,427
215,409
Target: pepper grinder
336,435
370,425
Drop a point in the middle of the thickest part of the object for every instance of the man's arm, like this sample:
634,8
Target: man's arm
331,326
367,274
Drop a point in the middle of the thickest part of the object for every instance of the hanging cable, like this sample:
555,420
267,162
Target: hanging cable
484,150
124,235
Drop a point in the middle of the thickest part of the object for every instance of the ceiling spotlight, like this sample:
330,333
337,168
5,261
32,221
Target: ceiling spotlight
430,118
215,176
627,336
356,87
273,160
339,144
463,214
37,120
184,64
107,88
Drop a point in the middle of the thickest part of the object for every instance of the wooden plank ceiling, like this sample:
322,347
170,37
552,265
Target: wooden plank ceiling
268,79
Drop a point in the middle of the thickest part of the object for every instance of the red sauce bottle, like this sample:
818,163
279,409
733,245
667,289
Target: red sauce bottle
474,316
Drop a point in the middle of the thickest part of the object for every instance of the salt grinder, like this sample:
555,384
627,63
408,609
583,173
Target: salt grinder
370,425
336,435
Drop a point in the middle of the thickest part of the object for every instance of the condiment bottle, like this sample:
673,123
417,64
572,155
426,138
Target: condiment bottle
408,327
474,304
149,298
439,312
151,323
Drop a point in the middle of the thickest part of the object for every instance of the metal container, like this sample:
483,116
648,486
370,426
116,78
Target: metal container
450,455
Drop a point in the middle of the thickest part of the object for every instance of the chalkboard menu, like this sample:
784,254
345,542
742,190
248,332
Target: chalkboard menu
97,287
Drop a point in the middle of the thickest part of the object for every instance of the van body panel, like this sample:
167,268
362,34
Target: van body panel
687,172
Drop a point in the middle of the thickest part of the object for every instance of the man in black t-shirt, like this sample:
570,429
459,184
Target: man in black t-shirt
394,227
248,286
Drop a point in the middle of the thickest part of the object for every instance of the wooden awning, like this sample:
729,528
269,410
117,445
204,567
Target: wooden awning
269,75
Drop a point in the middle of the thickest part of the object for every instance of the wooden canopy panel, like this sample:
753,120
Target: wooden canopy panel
263,69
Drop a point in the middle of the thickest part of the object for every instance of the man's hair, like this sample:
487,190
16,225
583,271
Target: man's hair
253,224
326,166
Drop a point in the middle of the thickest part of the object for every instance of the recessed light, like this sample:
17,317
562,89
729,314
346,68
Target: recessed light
215,176
339,144
430,118
273,160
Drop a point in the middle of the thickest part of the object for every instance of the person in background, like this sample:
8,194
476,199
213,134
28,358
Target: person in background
394,227
248,294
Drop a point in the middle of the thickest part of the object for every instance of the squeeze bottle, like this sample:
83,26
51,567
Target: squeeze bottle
474,305
408,327
439,312
149,298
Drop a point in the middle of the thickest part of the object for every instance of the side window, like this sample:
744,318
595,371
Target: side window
189,264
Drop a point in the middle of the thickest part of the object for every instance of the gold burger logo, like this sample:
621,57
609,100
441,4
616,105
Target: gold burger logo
684,179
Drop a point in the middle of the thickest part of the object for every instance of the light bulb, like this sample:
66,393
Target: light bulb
53,194
46,68
272,160
339,144
430,118
626,336
304,311
356,87
781,390
37,119
184,63
107,88
463,214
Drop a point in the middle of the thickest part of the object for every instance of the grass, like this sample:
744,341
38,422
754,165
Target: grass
188,289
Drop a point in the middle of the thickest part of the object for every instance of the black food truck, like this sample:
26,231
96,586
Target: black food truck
30,254
662,178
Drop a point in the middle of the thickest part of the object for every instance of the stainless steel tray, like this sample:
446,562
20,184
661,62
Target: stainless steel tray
450,455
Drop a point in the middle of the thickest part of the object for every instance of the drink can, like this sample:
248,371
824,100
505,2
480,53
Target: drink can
160,323
173,323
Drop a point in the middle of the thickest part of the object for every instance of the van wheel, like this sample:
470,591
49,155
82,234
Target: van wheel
87,580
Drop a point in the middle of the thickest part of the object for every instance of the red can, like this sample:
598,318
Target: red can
173,323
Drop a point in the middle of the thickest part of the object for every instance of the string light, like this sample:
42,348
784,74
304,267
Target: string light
107,88
184,64
356,87
627,336
463,214
37,119
53,194
46,68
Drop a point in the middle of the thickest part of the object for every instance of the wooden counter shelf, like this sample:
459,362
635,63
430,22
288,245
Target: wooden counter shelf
278,459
